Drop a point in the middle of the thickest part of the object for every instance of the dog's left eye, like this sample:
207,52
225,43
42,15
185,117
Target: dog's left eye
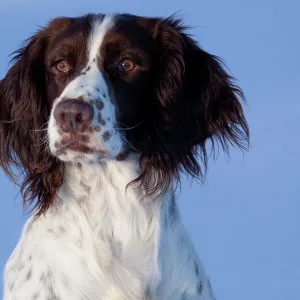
62,66
126,65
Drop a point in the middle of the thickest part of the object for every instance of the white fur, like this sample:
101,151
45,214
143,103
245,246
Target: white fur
103,242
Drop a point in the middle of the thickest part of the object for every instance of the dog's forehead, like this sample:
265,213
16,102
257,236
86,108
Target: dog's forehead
69,30
64,30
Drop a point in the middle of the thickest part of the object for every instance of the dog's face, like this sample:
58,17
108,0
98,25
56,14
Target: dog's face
104,85
100,83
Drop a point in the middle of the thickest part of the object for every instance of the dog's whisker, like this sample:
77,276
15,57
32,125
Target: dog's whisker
41,129
127,128
129,144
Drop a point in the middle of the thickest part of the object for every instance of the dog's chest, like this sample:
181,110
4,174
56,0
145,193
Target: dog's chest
117,238
99,243
76,256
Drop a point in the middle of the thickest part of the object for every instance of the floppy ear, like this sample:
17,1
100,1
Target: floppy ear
214,101
197,83
197,102
23,115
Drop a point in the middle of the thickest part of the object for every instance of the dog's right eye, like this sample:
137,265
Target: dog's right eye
61,66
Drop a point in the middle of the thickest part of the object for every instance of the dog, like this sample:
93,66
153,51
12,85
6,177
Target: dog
99,116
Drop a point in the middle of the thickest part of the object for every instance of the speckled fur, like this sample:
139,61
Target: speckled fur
103,242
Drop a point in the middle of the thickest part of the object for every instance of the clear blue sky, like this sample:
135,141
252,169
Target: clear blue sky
245,219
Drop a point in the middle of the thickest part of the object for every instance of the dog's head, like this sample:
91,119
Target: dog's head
94,88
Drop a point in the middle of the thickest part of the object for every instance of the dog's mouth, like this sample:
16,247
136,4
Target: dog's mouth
78,144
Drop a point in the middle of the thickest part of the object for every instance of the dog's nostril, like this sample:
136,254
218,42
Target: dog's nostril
78,118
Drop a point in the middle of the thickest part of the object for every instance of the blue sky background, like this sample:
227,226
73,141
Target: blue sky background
245,219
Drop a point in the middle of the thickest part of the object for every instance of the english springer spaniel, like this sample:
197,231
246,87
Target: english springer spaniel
99,115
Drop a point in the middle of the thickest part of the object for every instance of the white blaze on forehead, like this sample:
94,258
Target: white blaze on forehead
99,29
93,77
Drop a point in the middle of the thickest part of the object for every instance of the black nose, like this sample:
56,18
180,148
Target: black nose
72,115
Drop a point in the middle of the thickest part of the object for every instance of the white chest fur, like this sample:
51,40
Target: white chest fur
103,241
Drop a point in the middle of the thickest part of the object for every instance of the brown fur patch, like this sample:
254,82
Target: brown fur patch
106,136
99,104
123,155
85,187
100,119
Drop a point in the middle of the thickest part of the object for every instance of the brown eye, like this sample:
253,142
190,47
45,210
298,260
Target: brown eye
62,66
126,65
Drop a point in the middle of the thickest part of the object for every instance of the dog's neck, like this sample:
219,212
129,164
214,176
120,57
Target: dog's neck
111,205
115,225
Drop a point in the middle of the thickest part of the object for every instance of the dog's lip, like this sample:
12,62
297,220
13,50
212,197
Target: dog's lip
78,146
69,138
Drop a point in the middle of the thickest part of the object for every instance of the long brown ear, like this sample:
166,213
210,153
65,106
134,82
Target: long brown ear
219,98
201,87
23,117
197,101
